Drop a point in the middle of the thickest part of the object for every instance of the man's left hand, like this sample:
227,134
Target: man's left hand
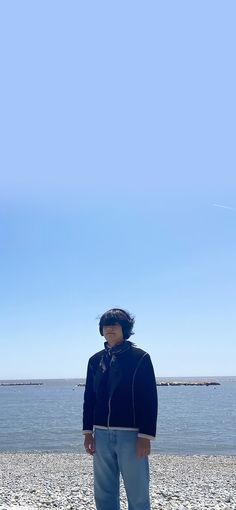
143,447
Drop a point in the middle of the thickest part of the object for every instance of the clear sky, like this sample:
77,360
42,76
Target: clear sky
117,151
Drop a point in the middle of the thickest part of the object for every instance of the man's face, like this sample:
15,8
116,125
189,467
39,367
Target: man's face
113,334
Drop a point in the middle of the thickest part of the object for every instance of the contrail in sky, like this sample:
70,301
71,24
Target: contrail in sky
224,207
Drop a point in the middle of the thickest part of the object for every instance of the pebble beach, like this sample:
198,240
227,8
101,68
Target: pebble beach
30,481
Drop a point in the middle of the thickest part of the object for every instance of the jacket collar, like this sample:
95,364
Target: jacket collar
117,349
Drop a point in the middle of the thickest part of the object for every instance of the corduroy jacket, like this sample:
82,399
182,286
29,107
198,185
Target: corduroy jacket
123,396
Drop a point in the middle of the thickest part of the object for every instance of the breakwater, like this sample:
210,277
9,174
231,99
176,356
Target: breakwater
22,384
178,383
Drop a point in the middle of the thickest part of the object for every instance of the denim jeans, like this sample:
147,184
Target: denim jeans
116,452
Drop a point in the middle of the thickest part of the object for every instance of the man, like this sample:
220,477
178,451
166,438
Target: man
119,415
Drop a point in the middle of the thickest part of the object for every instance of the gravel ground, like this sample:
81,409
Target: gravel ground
64,481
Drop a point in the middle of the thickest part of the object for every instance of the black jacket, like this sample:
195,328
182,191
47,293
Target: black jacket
122,394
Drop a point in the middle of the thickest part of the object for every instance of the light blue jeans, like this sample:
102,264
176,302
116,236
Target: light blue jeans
116,452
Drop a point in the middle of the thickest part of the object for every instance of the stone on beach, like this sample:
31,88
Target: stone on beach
33,481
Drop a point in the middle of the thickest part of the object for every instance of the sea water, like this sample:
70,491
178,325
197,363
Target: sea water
192,420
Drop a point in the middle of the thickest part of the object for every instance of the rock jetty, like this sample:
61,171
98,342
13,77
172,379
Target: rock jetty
184,383
21,384
176,383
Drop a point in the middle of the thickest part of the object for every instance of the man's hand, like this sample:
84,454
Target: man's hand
143,447
89,444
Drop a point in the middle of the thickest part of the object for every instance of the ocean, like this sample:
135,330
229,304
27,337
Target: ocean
48,418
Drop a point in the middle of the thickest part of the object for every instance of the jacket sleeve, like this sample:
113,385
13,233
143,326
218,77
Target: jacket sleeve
89,401
145,398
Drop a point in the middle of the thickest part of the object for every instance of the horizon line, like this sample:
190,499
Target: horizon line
75,378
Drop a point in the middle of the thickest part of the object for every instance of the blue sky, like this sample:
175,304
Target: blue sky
117,149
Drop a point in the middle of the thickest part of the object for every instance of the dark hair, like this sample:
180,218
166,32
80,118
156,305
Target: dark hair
123,318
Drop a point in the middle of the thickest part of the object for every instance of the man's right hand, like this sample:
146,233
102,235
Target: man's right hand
89,444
